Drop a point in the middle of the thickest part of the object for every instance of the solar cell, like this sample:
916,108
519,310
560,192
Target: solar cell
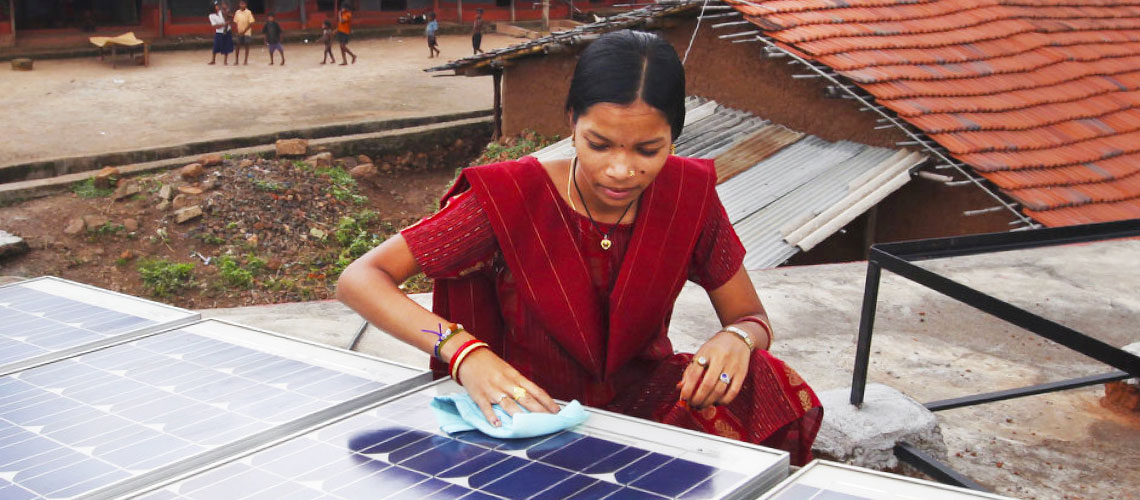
49,318
135,412
821,480
395,450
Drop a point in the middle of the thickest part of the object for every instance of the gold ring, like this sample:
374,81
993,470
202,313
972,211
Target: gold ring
632,173
518,393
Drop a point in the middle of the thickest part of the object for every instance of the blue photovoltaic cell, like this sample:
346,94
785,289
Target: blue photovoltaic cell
34,323
79,424
393,452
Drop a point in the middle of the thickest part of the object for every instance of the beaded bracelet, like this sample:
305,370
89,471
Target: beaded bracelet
457,360
763,324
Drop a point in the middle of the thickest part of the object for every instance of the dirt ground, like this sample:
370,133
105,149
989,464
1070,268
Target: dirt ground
82,106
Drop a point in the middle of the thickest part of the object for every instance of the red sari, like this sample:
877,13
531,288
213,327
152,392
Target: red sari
526,274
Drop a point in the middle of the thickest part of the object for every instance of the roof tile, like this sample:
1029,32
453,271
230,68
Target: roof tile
1041,97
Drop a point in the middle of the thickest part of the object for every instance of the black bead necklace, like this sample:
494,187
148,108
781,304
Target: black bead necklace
606,243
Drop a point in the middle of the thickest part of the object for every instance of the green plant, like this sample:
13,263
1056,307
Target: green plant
164,278
107,228
232,225
209,238
512,149
270,186
233,274
341,185
86,189
255,264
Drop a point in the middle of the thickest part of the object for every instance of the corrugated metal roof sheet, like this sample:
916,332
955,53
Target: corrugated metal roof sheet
773,180
1042,97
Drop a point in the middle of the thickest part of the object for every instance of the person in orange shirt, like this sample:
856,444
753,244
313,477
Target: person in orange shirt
343,31
243,30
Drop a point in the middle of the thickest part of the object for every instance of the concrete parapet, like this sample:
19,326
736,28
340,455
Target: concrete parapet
866,437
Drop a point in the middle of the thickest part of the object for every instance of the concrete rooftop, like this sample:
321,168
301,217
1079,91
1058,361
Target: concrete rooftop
1058,446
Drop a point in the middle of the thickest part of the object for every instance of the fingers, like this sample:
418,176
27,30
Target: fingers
716,374
488,413
536,399
710,388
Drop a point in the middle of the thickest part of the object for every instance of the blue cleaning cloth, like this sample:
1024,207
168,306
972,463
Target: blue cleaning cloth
458,413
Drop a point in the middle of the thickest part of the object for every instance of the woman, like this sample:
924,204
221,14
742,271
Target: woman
568,271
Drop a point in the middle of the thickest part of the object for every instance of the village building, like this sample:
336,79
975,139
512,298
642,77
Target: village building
1025,123
67,20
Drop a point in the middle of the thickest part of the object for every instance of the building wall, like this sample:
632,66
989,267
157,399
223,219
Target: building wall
534,95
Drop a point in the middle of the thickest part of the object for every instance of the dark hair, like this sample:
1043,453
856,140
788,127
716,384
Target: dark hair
624,66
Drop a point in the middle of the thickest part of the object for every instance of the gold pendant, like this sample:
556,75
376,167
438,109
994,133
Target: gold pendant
606,243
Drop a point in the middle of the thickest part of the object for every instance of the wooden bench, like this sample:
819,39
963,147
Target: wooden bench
127,40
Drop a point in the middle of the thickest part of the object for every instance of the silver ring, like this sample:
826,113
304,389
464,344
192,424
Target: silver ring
500,399
702,362
726,378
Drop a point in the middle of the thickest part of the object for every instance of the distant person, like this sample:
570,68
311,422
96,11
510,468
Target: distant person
223,42
477,32
327,38
343,33
432,28
243,29
272,32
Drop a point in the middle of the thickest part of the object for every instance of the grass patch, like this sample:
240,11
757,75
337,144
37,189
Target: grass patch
107,228
514,148
86,189
164,278
233,274
268,186
341,185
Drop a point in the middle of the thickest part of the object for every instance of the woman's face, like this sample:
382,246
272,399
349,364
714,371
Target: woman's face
621,148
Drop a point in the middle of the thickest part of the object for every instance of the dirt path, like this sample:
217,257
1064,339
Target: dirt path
83,106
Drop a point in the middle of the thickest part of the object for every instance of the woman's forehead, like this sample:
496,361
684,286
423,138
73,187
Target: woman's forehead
636,121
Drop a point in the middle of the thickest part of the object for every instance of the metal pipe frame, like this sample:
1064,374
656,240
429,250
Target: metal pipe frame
899,257
930,466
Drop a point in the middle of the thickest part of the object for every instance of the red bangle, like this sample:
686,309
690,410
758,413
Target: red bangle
763,324
460,355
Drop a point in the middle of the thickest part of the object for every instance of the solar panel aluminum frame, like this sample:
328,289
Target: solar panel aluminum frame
51,281
614,426
818,471
282,345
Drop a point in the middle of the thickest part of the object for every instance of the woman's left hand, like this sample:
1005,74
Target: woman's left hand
724,354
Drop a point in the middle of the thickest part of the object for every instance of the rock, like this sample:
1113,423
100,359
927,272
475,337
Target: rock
192,171
365,172
93,222
188,213
386,167
190,190
106,177
246,163
362,159
273,264
292,147
126,189
163,206
209,184
210,160
317,233
165,192
181,201
131,225
320,159
127,255
458,143
347,163
22,64
866,436
74,226
11,245
252,240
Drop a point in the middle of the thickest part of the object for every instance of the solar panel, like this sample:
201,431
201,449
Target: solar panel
48,318
821,480
137,412
395,450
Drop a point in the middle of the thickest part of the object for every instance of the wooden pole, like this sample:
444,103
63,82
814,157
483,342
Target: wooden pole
12,17
304,14
497,81
459,10
161,18
545,16
512,11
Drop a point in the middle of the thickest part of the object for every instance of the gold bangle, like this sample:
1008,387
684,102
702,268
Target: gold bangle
742,334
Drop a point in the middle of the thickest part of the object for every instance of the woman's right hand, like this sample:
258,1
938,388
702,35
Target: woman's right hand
490,380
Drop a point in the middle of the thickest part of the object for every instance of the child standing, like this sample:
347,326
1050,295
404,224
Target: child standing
272,32
223,42
343,32
477,32
243,29
327,37
432,28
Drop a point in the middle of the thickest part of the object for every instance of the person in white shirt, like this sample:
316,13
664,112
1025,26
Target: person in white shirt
223,40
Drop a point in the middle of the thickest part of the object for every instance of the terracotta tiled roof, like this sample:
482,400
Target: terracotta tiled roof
1041,97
